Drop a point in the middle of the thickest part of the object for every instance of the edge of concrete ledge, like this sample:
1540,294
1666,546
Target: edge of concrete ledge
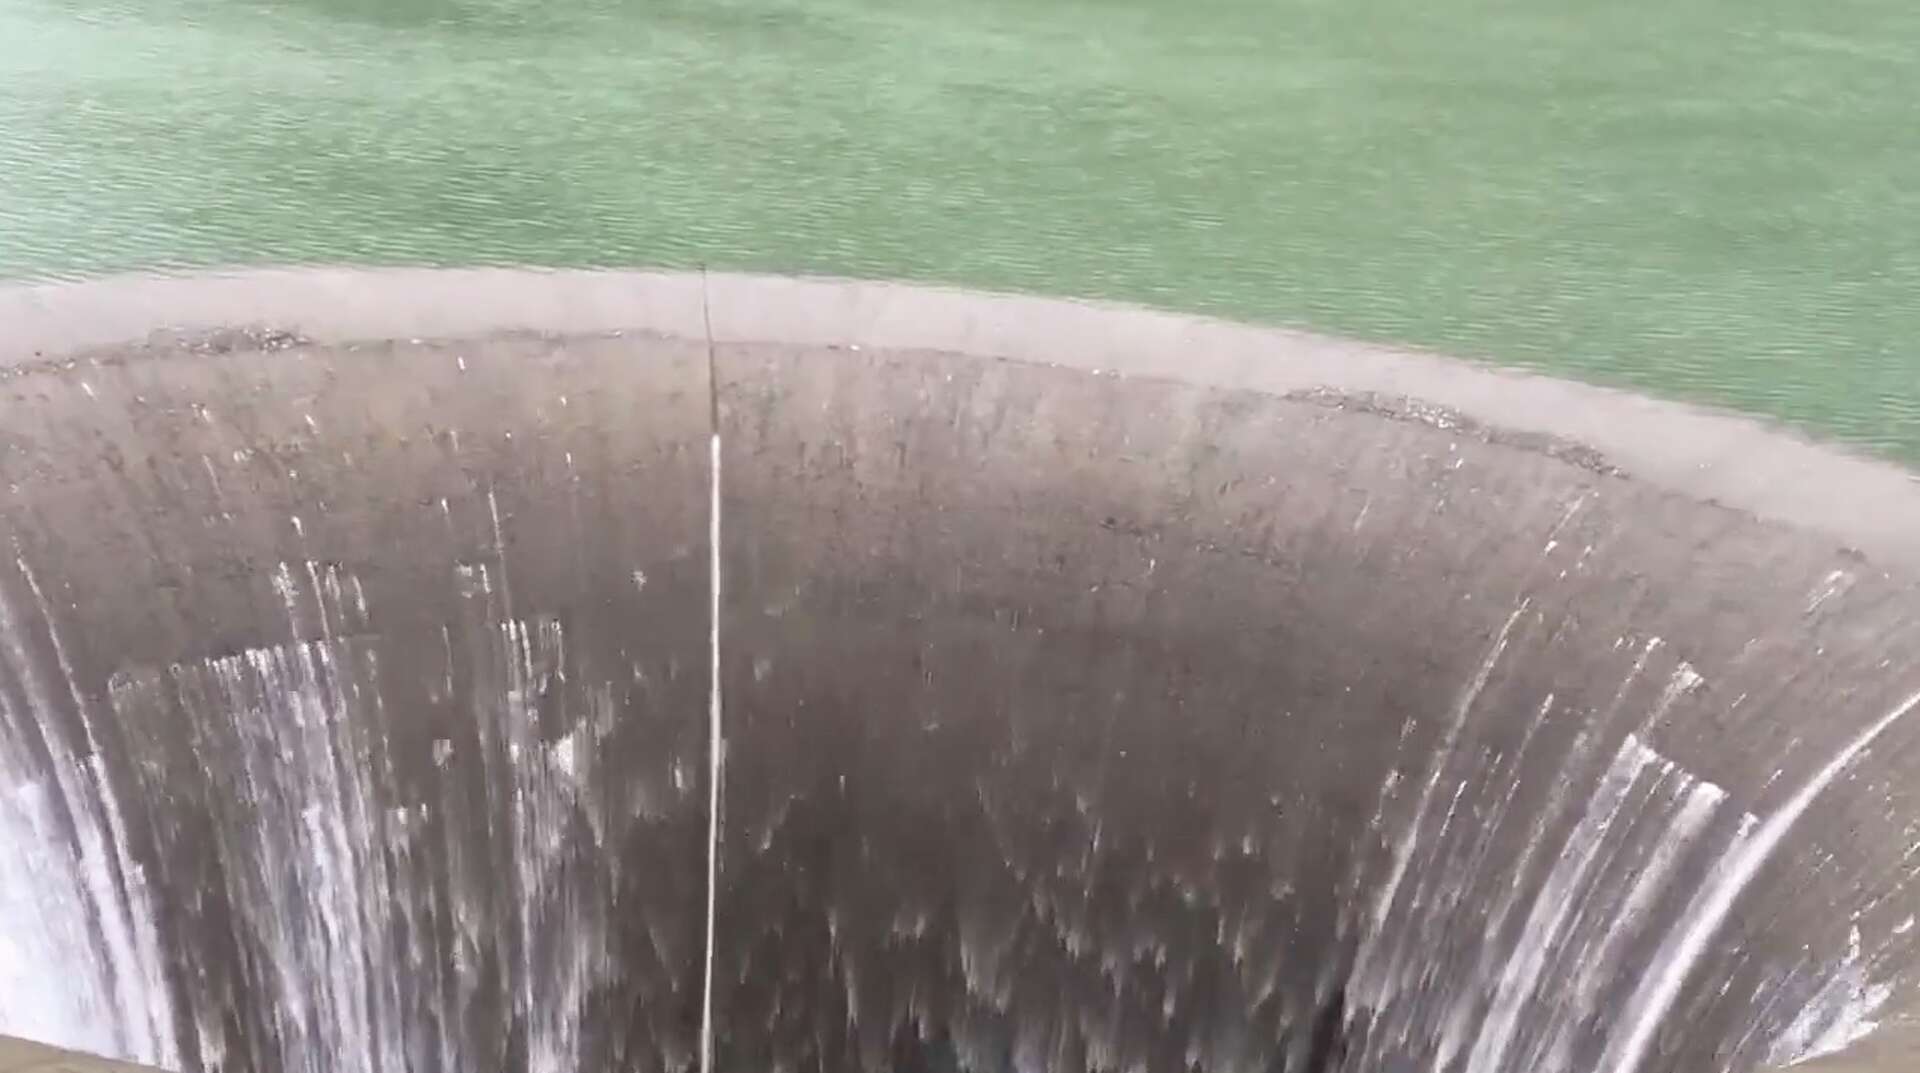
1738,461
23,1056
49,320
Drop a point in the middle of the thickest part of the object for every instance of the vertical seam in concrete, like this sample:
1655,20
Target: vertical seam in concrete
713,690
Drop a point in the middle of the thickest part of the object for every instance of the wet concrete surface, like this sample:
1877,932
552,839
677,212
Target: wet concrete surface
1099,690
20,1056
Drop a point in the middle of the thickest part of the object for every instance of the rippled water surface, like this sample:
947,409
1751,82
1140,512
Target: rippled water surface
1706,199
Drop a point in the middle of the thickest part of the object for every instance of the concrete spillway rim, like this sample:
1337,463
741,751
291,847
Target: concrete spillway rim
1736,461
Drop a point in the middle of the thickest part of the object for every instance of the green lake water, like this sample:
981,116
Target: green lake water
1705,199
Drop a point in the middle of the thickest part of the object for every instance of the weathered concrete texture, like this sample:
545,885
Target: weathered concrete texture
1256,702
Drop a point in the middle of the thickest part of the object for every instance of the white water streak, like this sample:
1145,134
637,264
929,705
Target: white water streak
320,860
1684,945
1841,1013
714,742
561,938
74,900
304,865
1599,961
1544,932
1403,851
1562,928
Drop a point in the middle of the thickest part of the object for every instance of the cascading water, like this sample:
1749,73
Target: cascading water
71,896
1072,721
1526,989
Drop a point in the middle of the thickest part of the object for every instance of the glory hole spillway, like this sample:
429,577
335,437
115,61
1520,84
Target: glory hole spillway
1086,688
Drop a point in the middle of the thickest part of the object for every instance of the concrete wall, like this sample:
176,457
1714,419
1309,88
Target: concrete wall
1098,688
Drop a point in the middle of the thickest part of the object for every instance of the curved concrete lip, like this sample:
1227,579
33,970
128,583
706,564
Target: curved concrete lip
1737,461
